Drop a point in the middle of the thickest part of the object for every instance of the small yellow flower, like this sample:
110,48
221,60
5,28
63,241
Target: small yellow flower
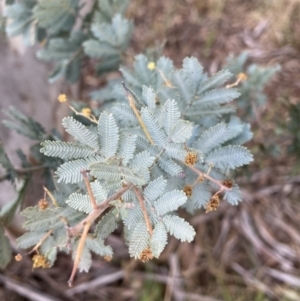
62,98
86,112
242,76
40,261
151,65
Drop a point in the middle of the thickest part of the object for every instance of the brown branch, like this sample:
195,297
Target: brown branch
136,112
79,252
42,240
100,208
89,189
86,224
142,203
206,176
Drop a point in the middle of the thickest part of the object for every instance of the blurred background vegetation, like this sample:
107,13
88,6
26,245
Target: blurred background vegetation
249,252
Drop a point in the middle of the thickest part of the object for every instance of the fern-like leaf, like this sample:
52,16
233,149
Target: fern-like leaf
216,97
139,240
155,189
80,202
179,228
148,96
107,225
66,150
70,172
193,70
158,240
127,148
98,191
80,132
142,160
170,201
170,115
156,133
231,156
181,132
233,196
216,80
29,239
106,172
213,137
97,246
108,134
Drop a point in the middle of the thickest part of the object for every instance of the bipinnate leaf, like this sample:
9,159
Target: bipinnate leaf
214,137
106,172
155,189
99,191
139,240
155,131
80,132
70,172
158,239
127,148
214,81
66,150
193,70
97,246
107,224
233,196
149,97
142,160
80,202
181,132
179,228
29,239
170,201
231,156
216,97
170,115
108,132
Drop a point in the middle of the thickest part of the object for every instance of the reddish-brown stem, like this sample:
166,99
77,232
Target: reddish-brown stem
144,210
202,174
100,208
79,252
86,224
89,189
136,112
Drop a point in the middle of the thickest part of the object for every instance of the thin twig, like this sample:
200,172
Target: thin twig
42,240
206,176
144,210
100,208
99,281
22,290
89,189
51,196
79,252
136,112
